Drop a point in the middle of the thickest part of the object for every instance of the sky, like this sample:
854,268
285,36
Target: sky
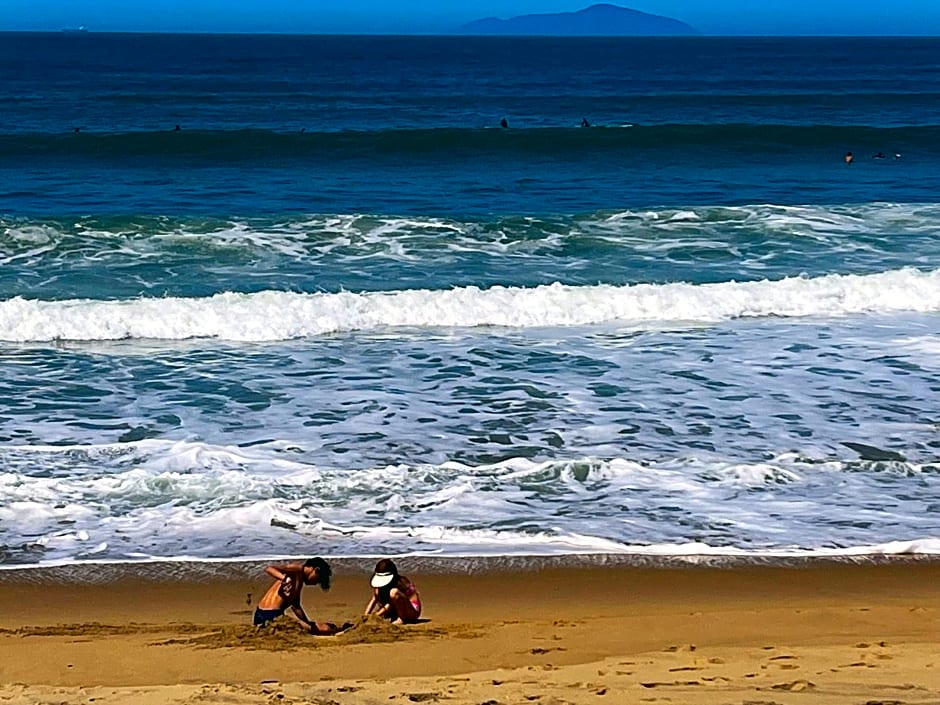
758,17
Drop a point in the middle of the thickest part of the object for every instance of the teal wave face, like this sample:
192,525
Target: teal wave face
459,173
105,257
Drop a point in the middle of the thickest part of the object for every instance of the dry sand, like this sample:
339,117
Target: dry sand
828,634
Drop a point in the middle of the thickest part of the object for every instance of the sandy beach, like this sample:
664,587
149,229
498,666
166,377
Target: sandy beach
831,633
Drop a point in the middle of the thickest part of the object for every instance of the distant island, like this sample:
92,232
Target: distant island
602,20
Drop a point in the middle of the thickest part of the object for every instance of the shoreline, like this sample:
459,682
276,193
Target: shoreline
710,635
202,570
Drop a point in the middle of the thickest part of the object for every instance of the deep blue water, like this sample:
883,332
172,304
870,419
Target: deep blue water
399,124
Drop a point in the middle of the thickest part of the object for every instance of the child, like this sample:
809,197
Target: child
285,592
395,596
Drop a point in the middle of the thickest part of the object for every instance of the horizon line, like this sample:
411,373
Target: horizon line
72,31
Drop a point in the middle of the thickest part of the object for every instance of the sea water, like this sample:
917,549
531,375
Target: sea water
340,311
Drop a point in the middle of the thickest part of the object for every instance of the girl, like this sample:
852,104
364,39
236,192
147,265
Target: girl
395,596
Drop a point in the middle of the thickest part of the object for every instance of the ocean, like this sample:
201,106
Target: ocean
302,295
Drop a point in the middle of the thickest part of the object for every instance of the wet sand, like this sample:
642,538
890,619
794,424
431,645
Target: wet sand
831,633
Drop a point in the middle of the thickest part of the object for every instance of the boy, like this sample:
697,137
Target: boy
289,581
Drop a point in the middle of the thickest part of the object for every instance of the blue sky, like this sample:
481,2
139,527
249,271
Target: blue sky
915,17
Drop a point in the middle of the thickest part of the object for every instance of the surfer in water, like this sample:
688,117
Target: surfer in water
504,123
849,157
584,122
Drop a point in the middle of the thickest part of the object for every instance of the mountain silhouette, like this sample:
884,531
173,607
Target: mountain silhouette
596,20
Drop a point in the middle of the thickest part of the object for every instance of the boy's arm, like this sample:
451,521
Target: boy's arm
290,579
370,606
301,616
278,572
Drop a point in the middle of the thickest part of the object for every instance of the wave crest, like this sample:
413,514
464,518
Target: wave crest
278,315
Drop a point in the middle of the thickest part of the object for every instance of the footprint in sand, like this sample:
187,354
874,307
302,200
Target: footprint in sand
673,649
716,679
794,686
673,684
784,666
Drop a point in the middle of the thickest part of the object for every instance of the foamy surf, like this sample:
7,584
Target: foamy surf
654,230
160,499
278,315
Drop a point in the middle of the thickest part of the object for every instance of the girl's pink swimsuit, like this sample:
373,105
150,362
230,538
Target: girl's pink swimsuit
411,592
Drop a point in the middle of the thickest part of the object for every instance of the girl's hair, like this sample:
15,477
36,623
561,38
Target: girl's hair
386,565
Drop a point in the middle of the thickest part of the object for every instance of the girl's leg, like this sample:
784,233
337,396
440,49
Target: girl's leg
406,612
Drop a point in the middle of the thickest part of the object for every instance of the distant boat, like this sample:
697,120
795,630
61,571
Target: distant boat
75,30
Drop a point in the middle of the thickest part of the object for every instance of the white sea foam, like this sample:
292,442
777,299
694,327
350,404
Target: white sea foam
157,498
274,315
402,238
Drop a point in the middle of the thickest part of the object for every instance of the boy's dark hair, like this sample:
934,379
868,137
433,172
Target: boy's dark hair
323,570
